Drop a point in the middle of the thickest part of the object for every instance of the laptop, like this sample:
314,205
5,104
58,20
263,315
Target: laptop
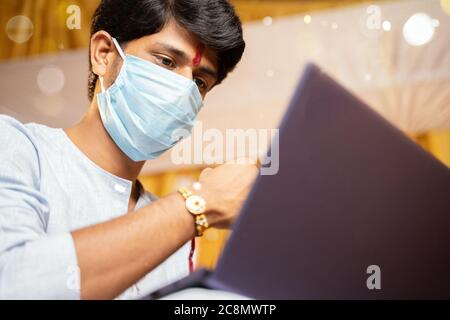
356,211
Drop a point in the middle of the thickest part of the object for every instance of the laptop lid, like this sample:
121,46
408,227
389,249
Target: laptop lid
356,211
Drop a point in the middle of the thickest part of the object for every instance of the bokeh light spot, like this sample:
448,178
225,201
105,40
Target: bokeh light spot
50,80
19,29
418,29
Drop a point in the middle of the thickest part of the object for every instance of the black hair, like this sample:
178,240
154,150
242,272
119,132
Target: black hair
213,22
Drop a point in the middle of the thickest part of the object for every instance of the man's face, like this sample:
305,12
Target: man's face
172,48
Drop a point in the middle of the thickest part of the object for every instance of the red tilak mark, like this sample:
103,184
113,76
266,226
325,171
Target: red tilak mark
198,55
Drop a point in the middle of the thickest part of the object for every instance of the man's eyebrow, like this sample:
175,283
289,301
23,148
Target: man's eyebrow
181,54
208,71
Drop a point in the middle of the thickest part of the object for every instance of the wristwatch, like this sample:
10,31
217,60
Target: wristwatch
196,206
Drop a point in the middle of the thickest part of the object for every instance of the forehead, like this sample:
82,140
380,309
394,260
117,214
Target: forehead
176,36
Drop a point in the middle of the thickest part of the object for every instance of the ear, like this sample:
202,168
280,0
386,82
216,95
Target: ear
102,52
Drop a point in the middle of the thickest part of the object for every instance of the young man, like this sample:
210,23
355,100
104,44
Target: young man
65,194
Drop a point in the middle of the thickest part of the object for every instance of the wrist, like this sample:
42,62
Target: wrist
196,205
211,211
177,204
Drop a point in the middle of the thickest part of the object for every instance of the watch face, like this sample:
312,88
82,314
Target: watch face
196,205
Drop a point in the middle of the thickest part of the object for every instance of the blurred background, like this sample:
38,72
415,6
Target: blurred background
392,54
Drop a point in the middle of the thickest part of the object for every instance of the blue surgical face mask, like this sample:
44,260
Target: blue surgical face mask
147,107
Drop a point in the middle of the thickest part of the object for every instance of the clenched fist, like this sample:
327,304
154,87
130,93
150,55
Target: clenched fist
225,189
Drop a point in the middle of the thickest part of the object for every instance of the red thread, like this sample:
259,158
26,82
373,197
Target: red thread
191,256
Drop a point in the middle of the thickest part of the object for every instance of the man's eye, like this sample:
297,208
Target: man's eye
200,84
166,62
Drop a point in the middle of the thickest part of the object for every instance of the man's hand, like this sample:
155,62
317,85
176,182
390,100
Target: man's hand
225,189
115,254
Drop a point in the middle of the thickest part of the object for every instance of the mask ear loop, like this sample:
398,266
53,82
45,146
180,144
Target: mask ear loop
102,83
119,48
104,91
